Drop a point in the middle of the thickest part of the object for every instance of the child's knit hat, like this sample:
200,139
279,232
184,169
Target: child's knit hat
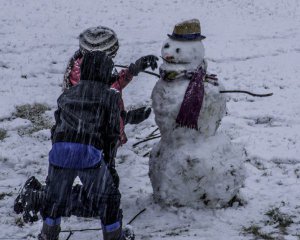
99,39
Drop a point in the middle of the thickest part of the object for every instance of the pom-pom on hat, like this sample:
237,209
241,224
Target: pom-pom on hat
99,38
189,30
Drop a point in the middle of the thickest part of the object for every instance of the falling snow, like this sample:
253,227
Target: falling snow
251,45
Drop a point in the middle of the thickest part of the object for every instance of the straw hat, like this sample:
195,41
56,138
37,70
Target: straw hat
189,30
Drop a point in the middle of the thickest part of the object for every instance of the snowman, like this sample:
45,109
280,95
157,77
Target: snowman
193,164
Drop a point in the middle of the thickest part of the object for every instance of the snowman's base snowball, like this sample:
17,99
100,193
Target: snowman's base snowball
204,173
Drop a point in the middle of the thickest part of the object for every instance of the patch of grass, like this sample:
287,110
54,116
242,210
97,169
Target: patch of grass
236,200
276,219
31,112
297,172
3,134
177,232
256,231
19,222
297,235
34,113
282,220
3,195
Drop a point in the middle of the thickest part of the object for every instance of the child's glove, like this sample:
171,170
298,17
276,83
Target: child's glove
136,116
142,63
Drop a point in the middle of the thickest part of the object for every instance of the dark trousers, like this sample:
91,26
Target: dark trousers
99,194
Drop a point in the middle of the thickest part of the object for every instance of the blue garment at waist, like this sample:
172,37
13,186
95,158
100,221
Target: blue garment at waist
74,155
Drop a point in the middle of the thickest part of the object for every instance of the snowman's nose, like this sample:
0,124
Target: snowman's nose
169,57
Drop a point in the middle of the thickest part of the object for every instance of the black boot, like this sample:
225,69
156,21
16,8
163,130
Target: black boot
29,200
127,233
31,183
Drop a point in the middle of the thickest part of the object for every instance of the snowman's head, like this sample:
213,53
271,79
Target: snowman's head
184,46
183,52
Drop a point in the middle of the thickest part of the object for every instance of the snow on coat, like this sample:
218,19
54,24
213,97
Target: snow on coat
72,78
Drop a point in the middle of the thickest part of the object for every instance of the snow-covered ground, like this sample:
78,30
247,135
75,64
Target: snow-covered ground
251,44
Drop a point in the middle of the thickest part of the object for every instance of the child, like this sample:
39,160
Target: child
105,39
85,139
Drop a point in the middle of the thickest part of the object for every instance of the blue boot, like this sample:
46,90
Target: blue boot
115,232
50,229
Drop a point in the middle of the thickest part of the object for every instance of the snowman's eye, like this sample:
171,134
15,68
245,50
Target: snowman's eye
167,45
177,50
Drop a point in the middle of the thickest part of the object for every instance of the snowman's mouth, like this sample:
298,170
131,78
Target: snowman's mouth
173,61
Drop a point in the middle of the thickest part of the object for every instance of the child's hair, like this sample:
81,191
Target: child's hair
96,66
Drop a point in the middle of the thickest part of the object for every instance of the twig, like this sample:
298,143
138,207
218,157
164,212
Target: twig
223,91
72,231
155,135
148,72
13,238
152,133
146,154
250,93
81,230
70,234
145,140
138,214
